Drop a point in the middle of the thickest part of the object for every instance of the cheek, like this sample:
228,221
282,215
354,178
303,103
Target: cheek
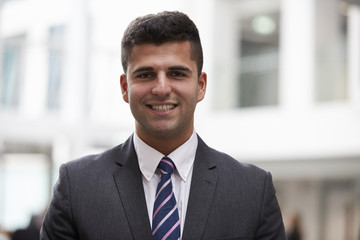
190,97
135,94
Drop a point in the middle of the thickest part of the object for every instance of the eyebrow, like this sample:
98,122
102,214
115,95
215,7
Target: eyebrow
176,68
142,69
180,68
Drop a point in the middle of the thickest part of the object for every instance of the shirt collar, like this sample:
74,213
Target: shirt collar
149,158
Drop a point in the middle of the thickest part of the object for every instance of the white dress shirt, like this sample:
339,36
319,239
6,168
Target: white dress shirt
183,158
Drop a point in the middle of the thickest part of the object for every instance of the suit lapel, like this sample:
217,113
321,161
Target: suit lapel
128,180
202,191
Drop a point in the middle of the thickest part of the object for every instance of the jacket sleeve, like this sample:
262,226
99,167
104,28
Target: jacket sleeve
271,225
58,222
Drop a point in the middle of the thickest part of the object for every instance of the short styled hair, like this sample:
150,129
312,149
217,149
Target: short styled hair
162,28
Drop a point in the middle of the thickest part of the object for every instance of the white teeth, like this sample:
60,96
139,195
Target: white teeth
164,108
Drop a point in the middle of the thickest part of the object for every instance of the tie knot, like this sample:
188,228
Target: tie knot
166,166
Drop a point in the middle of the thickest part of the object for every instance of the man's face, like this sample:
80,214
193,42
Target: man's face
162,87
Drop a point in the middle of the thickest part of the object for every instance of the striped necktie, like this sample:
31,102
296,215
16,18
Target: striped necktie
166,222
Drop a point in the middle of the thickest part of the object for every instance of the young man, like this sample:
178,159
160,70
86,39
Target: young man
164,182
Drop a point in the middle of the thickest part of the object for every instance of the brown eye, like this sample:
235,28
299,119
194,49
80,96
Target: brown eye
177,75
145,75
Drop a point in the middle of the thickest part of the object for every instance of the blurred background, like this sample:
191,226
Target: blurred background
283,93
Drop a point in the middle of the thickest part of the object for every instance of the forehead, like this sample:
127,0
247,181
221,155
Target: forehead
180,51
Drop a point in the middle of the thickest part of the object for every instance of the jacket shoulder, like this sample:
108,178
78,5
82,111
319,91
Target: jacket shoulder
225,162
109,158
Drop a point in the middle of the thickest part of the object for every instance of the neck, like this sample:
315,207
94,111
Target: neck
165,145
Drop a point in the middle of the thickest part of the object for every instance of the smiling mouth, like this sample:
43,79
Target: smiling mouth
163,108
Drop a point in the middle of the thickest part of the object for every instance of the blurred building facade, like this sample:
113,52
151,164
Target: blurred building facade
283,93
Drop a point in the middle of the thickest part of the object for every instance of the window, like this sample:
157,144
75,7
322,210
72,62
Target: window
24,188
331,48
55,65
11,71
259,60
246,54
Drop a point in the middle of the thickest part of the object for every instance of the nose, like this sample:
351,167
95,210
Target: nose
161,85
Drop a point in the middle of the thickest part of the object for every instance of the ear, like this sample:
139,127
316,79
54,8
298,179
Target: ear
124,88
202,83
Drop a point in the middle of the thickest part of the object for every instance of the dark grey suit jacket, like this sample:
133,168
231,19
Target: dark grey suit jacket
102,197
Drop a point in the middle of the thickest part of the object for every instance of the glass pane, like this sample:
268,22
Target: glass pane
259,60
331,48
11,71
55,64
24,188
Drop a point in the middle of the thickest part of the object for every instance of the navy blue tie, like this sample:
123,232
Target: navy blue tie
166,222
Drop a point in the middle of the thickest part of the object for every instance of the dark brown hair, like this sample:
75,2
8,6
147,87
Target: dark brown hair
162,28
